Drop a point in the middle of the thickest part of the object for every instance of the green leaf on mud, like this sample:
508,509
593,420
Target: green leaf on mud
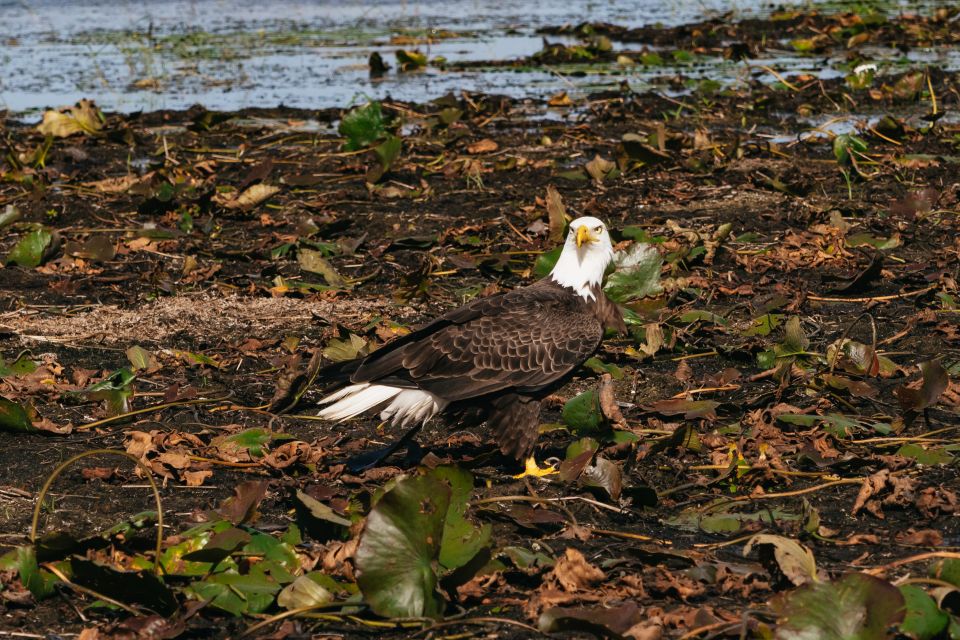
400,547
462,540
9,215
339,350
597,365
253,440
362,126
856,607
924,619
235,593
839,426
197,359
387,153
314,262
947,569
29,251
927,457
546,261
114,391
844,145
13,417
637,274
22,366
39,582
703,316
582,413
870,240
763,325
219,546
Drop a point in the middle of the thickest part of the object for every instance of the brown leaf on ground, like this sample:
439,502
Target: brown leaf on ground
869,488
291,453
934,501
921,538
573,572
241,508
483,146
608,402
197,478
338,560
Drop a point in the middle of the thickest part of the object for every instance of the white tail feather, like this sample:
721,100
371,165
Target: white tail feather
406,406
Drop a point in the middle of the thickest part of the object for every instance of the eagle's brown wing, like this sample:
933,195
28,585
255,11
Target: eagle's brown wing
522,341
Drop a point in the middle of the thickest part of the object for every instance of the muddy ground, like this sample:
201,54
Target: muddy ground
189,234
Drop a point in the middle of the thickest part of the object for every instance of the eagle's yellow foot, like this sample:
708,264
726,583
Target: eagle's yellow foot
531,469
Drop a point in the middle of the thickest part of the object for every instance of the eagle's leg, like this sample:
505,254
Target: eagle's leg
371,459
515,420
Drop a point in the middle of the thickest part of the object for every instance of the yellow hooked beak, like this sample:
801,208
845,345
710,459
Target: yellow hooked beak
585,235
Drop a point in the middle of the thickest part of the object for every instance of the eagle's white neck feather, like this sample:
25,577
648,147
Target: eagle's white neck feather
580,268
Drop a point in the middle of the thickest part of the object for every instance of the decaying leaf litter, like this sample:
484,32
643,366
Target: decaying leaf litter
770,453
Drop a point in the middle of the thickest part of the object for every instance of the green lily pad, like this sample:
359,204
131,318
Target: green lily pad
23,560
582,413
235,593
637,274
22,366
400,548
462,540
31,249
856,607
13,417
924,619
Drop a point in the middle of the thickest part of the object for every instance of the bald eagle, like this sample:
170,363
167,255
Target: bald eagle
493,359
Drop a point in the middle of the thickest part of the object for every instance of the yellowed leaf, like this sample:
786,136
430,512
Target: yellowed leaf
483,146
250,198
560,100
83,117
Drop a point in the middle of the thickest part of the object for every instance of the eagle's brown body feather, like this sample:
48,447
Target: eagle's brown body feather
494,358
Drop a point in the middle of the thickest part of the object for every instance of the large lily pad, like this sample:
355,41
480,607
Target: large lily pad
399,549
462,540
856,607
637,274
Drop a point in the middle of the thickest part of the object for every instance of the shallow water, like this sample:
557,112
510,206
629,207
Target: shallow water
228,54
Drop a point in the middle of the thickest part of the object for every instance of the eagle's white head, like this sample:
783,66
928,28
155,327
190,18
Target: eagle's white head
585,256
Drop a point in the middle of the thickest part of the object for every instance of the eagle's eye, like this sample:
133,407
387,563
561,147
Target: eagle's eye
598,228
